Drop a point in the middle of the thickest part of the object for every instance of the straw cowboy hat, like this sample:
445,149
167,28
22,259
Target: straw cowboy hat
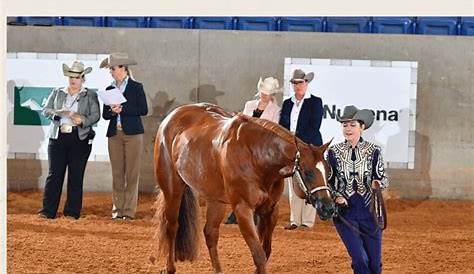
300,76
76,69
269,86
351,113
117,59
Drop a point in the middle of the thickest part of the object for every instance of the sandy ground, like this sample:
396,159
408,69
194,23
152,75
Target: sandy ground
422,237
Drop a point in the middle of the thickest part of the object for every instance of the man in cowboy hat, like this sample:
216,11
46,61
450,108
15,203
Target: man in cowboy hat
73,110
356,178
302,114
125,135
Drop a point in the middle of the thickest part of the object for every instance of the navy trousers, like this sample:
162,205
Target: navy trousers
68,151
365,251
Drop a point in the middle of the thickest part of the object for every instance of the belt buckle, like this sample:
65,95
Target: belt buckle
119,127
66,128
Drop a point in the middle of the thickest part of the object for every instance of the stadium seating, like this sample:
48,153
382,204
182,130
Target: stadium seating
83,21
126,22
257,23
224,23
437,25
170,22
467,26
39,21
308,24
348,24
398,25
384,25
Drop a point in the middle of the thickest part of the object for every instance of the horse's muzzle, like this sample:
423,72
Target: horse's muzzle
325,209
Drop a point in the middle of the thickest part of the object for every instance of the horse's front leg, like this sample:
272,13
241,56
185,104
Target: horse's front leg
266,225
214,215
244,216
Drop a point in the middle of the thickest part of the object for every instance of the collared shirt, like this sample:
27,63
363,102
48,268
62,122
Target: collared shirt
71,104
295,111
122,88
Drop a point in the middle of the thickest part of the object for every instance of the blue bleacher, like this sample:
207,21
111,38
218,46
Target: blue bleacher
309,24
257,23
126,22
225,23
399,25
348,24
170,22
467,26
39,21
88,21
437,25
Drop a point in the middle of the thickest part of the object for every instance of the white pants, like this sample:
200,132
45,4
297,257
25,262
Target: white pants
301,213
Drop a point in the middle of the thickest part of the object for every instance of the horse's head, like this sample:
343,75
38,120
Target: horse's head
310,173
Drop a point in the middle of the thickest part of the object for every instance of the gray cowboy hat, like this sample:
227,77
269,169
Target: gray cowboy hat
117,59
76,70
300,76
351,113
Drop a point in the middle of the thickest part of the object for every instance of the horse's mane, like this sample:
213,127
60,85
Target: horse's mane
270,126
263,123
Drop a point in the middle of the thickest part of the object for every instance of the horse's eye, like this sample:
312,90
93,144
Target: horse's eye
309,174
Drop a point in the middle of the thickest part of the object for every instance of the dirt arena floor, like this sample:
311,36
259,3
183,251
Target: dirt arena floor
422,237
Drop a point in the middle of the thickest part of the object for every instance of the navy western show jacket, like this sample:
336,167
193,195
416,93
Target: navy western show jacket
135,107
309,119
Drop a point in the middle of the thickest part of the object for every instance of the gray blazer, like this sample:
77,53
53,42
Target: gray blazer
88,108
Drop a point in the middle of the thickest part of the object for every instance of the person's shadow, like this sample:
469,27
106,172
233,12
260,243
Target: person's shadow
25,169
205,93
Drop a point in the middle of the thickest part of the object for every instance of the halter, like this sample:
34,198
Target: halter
297,174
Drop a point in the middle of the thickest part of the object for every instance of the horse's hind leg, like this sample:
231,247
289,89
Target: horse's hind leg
171,215
244,216
172,188
214,215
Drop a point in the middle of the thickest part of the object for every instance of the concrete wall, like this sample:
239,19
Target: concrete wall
184,66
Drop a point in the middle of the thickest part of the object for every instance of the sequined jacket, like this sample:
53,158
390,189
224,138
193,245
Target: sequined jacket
353,170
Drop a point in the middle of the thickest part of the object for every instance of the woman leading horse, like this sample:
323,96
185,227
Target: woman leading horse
238,160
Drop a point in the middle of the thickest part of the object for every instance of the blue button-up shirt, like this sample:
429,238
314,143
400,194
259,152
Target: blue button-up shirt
122,89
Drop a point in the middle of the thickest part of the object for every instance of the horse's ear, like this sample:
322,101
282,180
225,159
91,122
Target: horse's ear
286,171
324,147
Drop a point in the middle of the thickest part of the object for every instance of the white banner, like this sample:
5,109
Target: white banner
30,77
388,88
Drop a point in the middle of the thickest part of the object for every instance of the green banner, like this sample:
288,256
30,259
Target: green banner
29,102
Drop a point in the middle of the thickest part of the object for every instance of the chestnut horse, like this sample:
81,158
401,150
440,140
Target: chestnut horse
241,161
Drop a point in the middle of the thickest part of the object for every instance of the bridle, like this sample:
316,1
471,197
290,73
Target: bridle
299,178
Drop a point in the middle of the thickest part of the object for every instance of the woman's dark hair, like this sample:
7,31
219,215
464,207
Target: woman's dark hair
126,68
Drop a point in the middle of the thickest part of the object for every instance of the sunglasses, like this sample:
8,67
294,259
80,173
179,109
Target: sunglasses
116,67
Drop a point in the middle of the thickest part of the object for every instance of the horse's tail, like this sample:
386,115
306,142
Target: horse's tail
186,243
187,239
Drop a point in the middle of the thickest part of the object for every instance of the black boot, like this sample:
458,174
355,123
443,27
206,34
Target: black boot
231,220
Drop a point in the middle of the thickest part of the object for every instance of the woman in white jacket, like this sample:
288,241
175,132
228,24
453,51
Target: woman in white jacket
264,107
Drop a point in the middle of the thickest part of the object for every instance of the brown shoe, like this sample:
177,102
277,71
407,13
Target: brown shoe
291,226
